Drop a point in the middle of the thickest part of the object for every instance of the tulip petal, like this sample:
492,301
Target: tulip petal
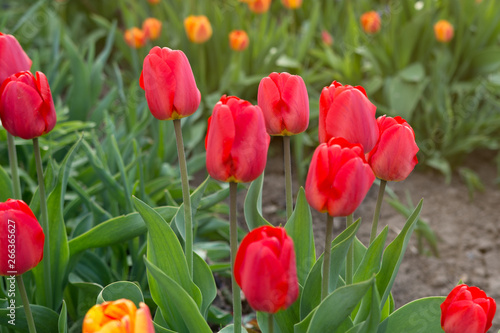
143,321
294,94
160,85
465,316
268,97
219,143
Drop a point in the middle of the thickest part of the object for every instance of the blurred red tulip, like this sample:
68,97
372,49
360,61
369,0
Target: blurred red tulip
198,28
444,31
339,177
265,269
13,59
21,238
370,21
135,37
151,28
395,154
346,111
236,141
292,4
26,105
284,101
258,6
169,83
467,309
238,40
327,38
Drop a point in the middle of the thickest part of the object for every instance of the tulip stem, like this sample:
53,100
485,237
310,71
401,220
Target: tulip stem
376,216
270,323
349,266
44,222
26,304
233,240
288,176
326,256
185,195
13,166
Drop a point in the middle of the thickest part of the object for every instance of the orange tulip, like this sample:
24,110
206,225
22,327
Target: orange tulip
370,21
292,4
198,28
121,316
443,31
135,37
154,2
151,28
258,6
238,40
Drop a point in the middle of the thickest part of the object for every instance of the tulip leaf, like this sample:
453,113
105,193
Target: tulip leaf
186,308
63,319
253,205
83,296
393,255
419,316
46,320
121,289
204,279
372,321
299,228
5,185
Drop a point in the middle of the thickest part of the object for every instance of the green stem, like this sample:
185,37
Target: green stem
326,256
185,195
288,176
376,216
349,266
270,324
13,166
44,223
233,241
26,304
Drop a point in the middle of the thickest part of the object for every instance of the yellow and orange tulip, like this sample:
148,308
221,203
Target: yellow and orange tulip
258,6
443,30
151,28
370,21
238,40
135,37
292,4
198,28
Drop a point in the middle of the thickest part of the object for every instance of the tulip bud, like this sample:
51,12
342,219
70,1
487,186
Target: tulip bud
339,177
443,31
14,59
346,111
395,154
151,28
292,4
258,6
236,141
238,40
284,101
21,238
169,83
198,28
467,309
327,38
135,37
265,269
118,316
370,21
26,105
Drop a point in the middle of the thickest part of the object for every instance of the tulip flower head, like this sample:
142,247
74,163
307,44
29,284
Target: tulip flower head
339,177
346,111
13,59
168,81
21,235
135,37
370,21
258,6
443,31
326,38
265,269
467,309
198,28
238,40
395,154
151,28
284,101
236,141
26,105
121,316
292,4
154,2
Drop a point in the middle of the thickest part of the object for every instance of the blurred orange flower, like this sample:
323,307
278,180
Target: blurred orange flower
258,6
198,28
443,31
151,28
238,40
370,21
135,37
292,4
153,2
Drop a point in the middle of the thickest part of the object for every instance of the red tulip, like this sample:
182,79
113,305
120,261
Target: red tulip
236,141
339,177
285,104
26,106
265,269
169,83
21,238
13,59
395,154
346,111
467,309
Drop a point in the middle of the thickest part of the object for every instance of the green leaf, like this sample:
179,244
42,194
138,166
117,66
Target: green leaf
299,228
204,279
82,297
419,316
46,320
373,319
186,307
253,205
121,289
63,319
370,264
413,73
5,185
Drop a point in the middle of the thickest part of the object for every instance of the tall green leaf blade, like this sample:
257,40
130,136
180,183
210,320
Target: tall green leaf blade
5,185
253,205
204,279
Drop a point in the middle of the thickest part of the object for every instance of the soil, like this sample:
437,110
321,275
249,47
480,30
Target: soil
468,230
